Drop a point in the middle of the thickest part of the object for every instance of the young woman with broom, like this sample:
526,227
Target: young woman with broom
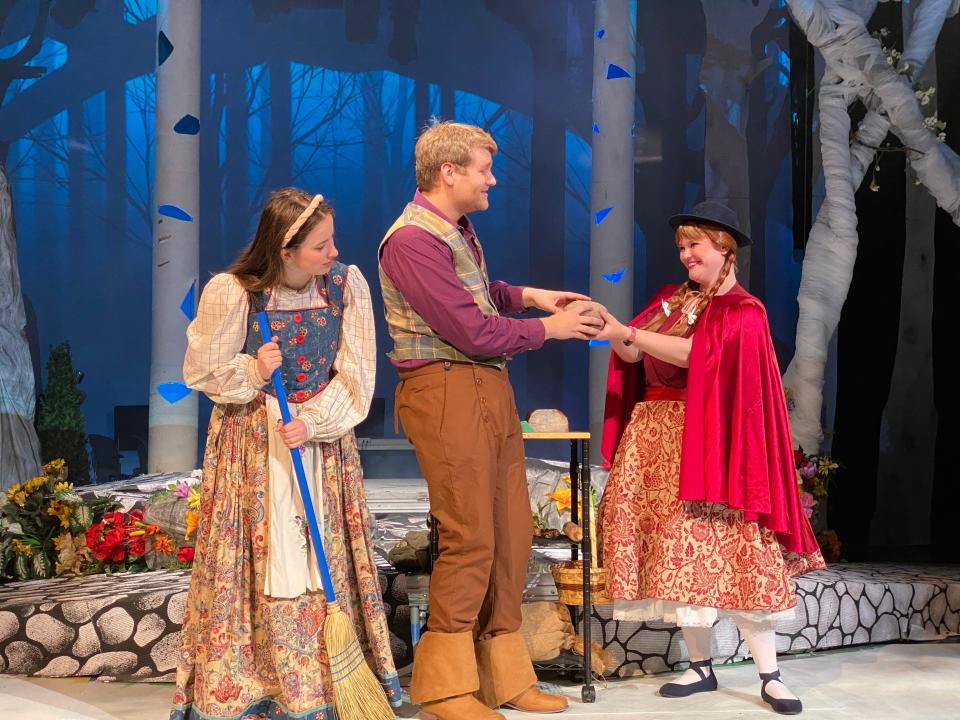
260,637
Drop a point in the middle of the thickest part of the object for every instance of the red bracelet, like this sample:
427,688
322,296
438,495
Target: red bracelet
633,336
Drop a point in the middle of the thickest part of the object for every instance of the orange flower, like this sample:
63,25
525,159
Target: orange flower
163,543
193,521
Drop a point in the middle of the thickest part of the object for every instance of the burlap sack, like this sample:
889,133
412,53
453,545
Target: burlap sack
547,629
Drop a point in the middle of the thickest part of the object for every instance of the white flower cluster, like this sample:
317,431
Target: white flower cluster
924,96
936,125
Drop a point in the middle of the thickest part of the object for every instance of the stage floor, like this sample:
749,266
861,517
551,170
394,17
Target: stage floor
880,682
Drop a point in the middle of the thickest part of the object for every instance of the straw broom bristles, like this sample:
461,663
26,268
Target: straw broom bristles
357,693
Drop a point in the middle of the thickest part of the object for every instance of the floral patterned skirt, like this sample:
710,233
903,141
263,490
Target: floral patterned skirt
246,655
657,547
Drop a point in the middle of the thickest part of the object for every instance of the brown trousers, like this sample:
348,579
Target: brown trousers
462,420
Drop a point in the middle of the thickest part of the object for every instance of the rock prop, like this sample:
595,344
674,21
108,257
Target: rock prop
588,308
573,532
549,421
412,553
170,514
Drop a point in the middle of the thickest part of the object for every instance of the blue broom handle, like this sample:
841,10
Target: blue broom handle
264,323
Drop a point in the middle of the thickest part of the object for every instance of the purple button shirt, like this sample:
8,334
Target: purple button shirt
420,266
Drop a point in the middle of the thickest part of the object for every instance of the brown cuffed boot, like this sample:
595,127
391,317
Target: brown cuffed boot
507,677
533,700
445,678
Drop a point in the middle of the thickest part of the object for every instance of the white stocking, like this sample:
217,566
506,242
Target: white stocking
697,640
762,642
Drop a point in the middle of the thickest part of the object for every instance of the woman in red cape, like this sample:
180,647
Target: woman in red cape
701,517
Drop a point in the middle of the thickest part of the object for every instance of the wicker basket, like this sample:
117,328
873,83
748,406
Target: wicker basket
568,577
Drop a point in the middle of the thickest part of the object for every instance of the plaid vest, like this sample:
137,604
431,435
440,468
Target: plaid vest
413,338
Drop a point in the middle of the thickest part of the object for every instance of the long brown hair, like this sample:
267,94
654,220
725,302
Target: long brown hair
722,241
260,265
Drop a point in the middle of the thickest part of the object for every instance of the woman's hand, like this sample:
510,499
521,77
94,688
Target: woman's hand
613,329
268,359
294,433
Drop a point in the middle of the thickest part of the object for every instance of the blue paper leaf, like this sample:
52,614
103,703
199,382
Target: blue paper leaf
173,392
600,33
164,48
614,277
175,212
596,128
598,343
187,307
615,71
599,215
187,125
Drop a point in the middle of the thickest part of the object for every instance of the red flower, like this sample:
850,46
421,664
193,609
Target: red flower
301,395
302,359
301,377
93,534
185,554
297,317
137,547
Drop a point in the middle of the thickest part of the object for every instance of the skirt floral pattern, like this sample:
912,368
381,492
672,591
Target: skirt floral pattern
699,553
246,655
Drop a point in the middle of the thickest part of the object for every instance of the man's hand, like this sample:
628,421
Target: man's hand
550,301
570,325
294,433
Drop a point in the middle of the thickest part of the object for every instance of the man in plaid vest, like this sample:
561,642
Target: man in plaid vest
450,346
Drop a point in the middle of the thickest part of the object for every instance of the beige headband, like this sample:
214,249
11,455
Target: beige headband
301,219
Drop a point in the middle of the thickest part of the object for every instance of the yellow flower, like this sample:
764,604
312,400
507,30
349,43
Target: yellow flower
35,483
62,486
22,548
60,510
193,502
16,494
54,466
561,498
826,465
193,520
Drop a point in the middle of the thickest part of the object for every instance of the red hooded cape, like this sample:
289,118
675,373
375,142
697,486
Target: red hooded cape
737,448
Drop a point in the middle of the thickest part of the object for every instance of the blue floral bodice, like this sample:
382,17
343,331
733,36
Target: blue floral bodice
308,337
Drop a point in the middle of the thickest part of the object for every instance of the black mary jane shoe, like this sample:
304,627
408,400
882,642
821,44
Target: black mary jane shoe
782,706
706,683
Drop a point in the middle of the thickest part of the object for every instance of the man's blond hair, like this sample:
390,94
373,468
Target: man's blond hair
447,142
